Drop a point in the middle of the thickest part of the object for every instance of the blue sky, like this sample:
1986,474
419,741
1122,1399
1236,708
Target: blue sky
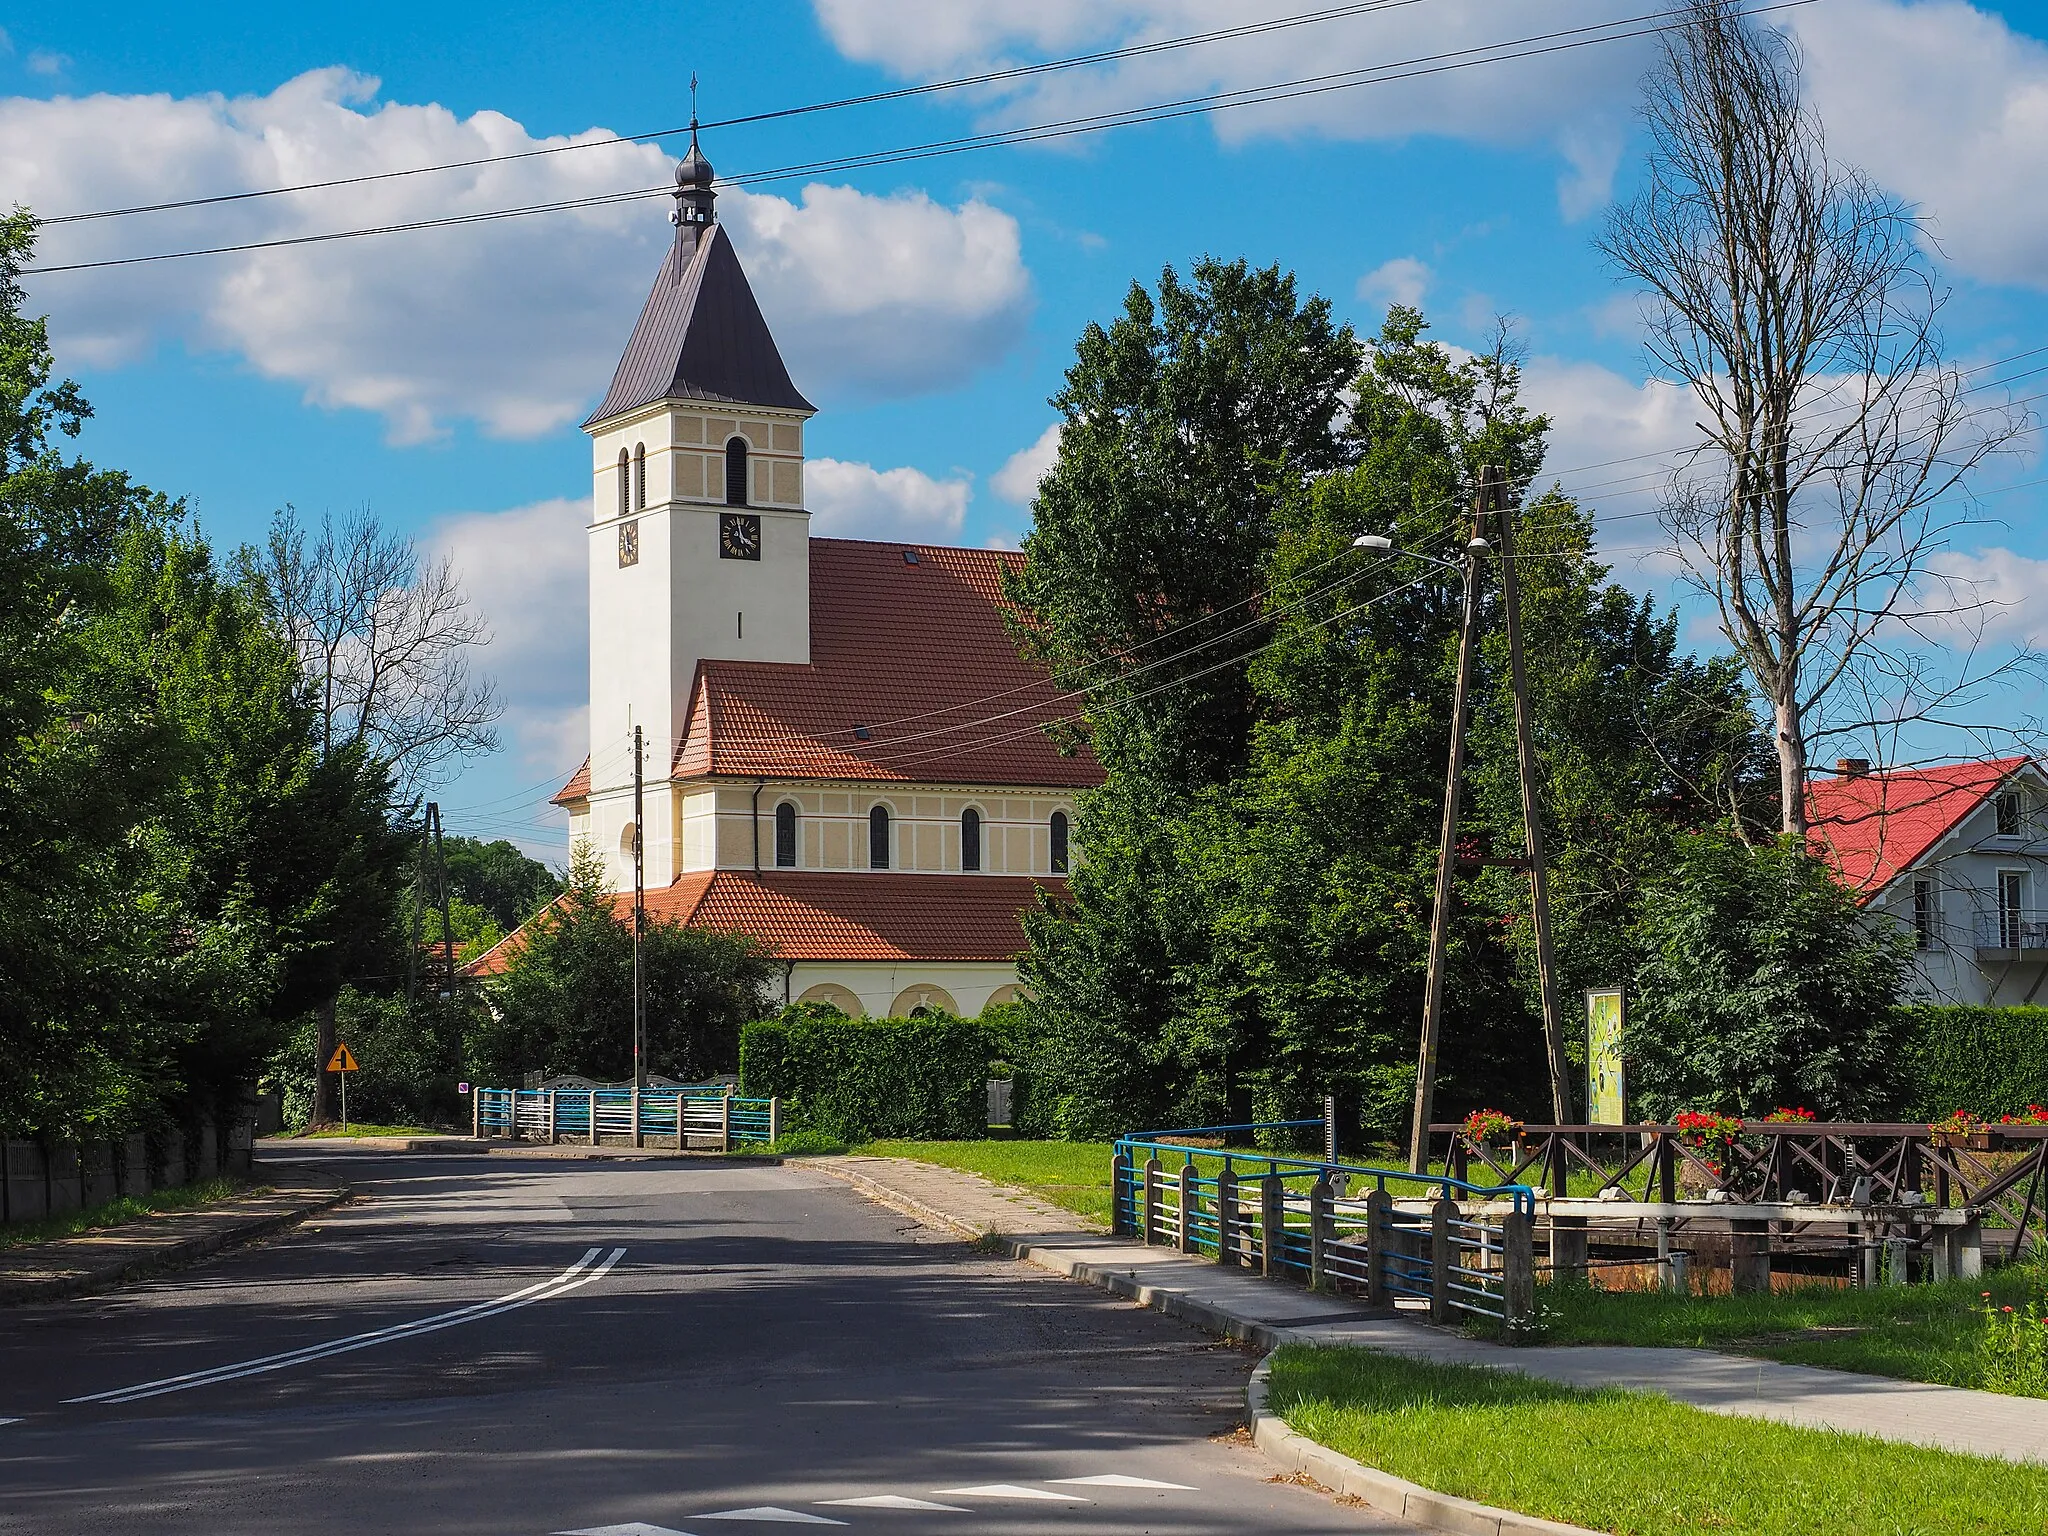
930,307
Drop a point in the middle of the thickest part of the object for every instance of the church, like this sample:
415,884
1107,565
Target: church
842,753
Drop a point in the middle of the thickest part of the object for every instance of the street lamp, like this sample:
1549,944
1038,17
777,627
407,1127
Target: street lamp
1381,544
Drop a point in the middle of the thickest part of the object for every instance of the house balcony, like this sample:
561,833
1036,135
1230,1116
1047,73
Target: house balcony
2013,935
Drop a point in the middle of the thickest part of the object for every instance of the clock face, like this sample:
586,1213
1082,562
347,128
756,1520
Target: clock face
739,536
629,543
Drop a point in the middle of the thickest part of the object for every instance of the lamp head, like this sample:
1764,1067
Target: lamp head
1372,541
1478,546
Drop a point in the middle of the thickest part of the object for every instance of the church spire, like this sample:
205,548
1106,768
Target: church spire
694,197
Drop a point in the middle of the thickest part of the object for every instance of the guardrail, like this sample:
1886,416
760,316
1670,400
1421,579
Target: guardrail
708,1118
1311,1221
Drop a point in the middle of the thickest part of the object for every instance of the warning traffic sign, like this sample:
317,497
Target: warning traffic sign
342,1061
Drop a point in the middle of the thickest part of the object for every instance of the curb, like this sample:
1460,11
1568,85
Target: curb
1293,1453
1340,1474
62,1287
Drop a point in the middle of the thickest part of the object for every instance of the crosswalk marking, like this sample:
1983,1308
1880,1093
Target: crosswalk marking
774,1514
1007,1491
631,1528
896,1501
1119,1480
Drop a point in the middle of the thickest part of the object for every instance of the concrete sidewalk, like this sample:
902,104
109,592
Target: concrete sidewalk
1239,1304
94,1261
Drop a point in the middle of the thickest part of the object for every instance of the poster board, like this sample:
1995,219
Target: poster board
1606,1083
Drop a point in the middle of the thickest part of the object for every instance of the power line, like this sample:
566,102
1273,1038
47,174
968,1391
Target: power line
989,77
1220,101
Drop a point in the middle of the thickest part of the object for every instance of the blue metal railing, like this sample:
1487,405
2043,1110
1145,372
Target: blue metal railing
678,1115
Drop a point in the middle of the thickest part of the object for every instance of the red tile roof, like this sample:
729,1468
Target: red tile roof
1872,826
578,787
834,915
916,654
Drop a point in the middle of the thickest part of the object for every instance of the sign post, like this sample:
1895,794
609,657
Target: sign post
1606,1081
343,1062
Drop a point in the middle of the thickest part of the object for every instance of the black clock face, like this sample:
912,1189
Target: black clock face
629,543
739,536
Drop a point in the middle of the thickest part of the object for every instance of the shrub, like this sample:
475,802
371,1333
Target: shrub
864,1079
1991,1060
410,1061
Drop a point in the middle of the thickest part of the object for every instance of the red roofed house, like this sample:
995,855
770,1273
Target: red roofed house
844,755
1954,853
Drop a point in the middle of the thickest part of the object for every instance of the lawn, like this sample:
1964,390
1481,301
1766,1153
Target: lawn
1914,1332
128,1208
1635,1463
1073,1174
354,1130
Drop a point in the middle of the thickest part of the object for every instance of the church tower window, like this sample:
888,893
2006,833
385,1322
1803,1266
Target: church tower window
1059,842
878,837
736,472
970,839
639,477
625,483
785,836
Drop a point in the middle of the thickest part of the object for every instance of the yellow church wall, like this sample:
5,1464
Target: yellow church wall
877,987
832,827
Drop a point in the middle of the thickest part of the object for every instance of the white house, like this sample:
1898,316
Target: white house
1955,854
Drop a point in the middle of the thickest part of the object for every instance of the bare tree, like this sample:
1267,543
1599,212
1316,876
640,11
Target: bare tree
1795,300
384,636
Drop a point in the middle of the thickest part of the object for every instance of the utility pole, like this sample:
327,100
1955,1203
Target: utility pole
419,912
639,922
1446,859
441,878
1493,491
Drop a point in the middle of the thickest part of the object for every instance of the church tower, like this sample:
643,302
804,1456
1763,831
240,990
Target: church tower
699,539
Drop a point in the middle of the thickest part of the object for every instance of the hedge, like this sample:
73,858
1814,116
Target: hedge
864,1079
1991,1061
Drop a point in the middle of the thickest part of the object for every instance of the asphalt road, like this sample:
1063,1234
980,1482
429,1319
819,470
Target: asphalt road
523,1346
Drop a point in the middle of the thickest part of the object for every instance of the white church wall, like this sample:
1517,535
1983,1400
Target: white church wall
878,986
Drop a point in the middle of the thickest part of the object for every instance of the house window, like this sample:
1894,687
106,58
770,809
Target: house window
2011,914
2009,813
736,472
639,476
970,838
785,836
625,483
1926,914
878,837
1059,842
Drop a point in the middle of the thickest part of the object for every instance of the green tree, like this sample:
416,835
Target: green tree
1763,984
566,1002
499,879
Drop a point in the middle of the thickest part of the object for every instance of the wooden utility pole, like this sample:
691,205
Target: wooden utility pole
441,875
1493,494
639,922
419,912
1446,860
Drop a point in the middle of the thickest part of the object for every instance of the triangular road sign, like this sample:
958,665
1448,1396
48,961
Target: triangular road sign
342,1061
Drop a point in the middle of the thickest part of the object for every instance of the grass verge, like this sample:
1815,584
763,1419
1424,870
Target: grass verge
1073,1174
1929,1333
1635,1463
328,1132
113,1213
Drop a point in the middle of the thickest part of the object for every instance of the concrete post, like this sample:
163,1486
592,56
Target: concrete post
551,1117
1272,1224
1970,1250
637,1141
774,1120
1318,1232
1148,1229
1442,1256
592,1093
1379,1214
476,1111
1518,1272
1226,1217
724,1122
1184,1237
1749,1258
1568,1249
1119,1186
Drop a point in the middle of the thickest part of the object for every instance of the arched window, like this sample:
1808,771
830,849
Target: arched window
639,477
1059,842
970,838
736,472
625,483
878,837
785,836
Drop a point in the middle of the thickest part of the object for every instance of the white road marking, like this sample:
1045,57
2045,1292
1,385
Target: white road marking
1007,1491
9,1421
772,1514
632,1528
1118,1480
896,1501
575,1276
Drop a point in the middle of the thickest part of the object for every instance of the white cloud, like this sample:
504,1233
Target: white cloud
1404,280
515,324
1948,106
858,501
1571,97
43,62
1017,481
2012,589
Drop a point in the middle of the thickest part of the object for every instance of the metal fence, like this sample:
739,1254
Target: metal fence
707,1118
1343,1228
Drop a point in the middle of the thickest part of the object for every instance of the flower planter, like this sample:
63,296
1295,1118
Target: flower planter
1969,1141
